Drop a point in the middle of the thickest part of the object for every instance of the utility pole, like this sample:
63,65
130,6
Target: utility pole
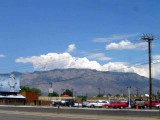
51,85
75,94
72,93
149,39
137,91
62,90
99,89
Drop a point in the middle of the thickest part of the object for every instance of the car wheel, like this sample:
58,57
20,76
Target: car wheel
107,106
92,106
145,107
121,107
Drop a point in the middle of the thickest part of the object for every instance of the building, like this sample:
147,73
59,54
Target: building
9,91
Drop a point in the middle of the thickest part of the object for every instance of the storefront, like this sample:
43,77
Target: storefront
9,89
12,99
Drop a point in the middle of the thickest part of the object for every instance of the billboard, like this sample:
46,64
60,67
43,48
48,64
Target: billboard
9,83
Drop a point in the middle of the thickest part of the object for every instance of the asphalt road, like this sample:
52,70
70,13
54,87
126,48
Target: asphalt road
17,115
51,113
84,111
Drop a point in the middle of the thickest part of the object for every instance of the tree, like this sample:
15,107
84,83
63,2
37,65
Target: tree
100,95
28,89
68,92
109,95
53,94
158,94
124,95
24,89
118,95
83,98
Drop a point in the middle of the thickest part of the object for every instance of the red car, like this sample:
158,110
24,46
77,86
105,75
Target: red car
116,104
154,103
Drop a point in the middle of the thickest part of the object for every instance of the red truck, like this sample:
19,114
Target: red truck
153,104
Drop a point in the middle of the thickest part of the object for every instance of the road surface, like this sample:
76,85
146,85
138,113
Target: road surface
18,115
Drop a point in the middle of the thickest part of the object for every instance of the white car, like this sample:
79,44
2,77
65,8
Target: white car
157,106
98,103
77,105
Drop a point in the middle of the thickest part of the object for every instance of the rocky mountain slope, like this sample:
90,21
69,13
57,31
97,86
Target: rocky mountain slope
85,81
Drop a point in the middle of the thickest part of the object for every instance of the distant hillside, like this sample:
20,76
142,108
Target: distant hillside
85,81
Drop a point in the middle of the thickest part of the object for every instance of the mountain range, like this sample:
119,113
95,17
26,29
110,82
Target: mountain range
87,82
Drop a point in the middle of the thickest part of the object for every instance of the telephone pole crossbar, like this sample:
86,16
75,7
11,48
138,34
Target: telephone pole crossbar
149,39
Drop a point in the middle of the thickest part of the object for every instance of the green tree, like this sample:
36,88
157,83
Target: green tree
24,89
109,95
124,95
158,94
83,98
100,95
28,89
117,95
53,94
68,92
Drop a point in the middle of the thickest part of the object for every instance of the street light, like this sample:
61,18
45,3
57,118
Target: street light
129,104
72,93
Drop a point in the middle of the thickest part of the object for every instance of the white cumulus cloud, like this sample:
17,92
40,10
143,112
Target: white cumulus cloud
2,56
125,67
98,56
65,60
71,48
156,59
125,44
156,66
156,70
54,60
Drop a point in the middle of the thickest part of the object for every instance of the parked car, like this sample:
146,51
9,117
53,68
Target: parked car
137,102
157,105
116,104
98,103
85,103
153,104
67,102
77,105
55,102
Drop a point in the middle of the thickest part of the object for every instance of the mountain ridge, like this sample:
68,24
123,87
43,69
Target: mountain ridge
86,81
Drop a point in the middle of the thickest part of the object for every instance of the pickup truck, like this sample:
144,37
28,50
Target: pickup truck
139,102
55,102
63,102
153,104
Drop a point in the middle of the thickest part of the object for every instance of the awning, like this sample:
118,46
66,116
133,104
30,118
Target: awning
13,96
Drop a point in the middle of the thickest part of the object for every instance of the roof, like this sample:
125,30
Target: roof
13,96
65,95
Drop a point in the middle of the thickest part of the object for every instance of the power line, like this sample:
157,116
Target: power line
136,64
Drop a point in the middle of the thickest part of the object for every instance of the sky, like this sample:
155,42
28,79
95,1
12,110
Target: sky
38,35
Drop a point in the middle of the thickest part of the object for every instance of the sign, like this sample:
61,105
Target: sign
50,90
9,83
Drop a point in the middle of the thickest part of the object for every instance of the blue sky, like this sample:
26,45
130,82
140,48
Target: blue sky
95,34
